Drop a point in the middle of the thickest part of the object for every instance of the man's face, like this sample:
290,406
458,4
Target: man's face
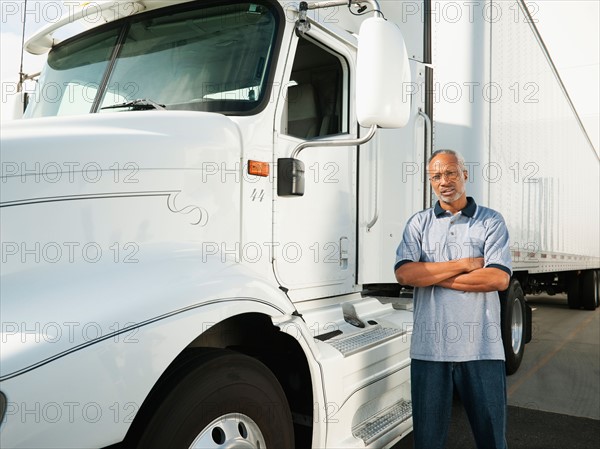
447,178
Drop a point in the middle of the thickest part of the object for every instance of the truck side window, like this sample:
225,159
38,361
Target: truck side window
315,95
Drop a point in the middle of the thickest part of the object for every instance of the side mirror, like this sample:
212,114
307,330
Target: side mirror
290,177
382,75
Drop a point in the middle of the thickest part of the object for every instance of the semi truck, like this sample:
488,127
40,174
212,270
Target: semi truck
201,204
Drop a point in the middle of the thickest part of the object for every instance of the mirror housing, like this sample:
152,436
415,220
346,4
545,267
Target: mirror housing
382,75
290,177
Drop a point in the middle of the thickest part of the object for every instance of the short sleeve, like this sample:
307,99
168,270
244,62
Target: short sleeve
496,253
409,249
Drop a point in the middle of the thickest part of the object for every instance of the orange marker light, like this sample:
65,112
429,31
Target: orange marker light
258,168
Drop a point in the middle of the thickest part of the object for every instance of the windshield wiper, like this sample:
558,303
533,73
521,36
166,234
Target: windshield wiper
138,105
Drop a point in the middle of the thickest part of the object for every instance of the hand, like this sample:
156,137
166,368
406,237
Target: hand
472,263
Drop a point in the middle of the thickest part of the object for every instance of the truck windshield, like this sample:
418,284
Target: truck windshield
210,59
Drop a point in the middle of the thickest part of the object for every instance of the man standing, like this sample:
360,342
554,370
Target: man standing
457,257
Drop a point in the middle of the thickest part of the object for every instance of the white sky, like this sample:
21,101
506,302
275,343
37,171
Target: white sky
570,29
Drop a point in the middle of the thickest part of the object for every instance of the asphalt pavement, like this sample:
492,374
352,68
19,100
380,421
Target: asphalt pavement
527,429
554,398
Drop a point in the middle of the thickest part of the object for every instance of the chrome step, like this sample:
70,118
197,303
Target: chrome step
359,342
384,421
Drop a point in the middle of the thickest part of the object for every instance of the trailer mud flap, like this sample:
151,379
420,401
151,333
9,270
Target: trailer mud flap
528,331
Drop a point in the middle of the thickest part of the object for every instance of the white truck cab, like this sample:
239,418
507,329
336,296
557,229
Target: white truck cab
151,254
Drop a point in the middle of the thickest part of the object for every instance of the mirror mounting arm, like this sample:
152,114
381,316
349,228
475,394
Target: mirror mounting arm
302,25
330,3
334,143
290,170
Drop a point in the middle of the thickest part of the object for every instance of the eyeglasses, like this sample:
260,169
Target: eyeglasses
450,175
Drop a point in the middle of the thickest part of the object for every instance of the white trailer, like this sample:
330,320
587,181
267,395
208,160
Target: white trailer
198,235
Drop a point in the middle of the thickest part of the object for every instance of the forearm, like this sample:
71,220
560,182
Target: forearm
424,274
482,280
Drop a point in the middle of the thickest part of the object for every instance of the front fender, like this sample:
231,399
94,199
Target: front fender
66,310
88,397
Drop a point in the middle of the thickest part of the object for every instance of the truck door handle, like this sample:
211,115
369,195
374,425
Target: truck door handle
344,252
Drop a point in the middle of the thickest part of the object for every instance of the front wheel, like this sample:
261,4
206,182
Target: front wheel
229,400
512,305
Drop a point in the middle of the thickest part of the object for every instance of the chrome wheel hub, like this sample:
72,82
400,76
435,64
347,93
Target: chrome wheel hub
516,326
231,431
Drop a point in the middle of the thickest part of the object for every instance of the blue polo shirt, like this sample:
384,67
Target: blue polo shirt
451,325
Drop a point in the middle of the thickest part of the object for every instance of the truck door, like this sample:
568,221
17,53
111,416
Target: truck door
314,235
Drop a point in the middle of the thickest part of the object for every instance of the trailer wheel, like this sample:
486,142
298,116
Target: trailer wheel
230,400
573,292
589,289
512,305
597,272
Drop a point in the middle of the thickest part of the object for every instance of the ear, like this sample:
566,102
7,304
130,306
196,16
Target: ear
465,175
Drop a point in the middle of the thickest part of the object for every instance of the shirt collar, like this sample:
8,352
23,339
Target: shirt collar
467,211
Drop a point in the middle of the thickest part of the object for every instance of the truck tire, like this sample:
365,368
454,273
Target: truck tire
229,400
597,287
573,292
589,289
512,306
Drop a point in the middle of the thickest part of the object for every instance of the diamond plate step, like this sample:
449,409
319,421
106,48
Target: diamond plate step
359,342
384,421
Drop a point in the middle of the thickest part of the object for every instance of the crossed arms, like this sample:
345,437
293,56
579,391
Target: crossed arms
467,274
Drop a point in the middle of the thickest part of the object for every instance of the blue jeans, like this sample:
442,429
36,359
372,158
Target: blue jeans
481,386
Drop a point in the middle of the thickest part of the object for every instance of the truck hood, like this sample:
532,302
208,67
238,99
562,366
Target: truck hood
105,222
39,151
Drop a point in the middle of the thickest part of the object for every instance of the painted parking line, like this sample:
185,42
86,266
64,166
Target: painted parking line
550,355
